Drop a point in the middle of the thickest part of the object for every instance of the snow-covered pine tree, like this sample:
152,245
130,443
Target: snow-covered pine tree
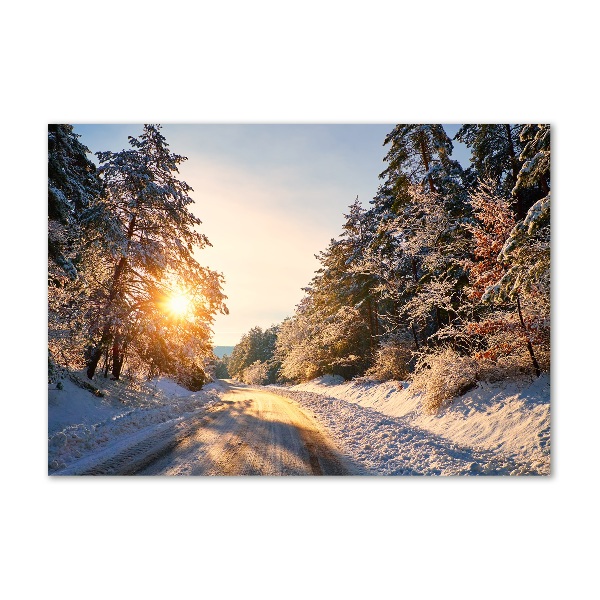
423,190
73,186
298,347
526,253
335,328
256,346
393,274
341,291
434,243
418,154
535,159
495,151
358,288
150,234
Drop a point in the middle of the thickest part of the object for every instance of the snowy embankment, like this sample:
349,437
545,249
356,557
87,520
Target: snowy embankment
495,429
85,429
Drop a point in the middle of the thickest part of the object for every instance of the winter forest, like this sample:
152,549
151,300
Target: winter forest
438,285
444,279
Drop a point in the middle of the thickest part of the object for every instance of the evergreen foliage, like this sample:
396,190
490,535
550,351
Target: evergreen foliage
73,186
256,346
444,263
446,266
535,158
221,370
136,243
336,326
495,154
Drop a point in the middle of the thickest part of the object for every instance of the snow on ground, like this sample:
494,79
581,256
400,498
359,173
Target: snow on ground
81,423
494,429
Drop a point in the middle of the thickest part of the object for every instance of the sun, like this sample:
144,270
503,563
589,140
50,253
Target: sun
178,304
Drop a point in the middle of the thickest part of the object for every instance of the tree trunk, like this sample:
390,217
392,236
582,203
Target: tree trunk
372,325
534,361
106,363
414,332
97,352
106,333
414,270
121,354
93,362
514,163
415,279
116,368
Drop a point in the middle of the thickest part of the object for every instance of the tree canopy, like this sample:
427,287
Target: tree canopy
133,219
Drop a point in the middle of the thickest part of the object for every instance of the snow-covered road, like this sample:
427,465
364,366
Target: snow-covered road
253,432
323,427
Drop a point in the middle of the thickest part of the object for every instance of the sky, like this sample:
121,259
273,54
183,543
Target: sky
270,197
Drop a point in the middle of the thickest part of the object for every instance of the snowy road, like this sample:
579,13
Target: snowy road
253,432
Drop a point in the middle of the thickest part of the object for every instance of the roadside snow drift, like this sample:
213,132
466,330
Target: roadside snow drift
81,424
494,429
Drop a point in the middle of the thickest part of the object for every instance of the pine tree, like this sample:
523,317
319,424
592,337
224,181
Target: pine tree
535,159
342,276
526,255
336,327
418,154
495,153
423,192
341,288
73,185
150,234
256,346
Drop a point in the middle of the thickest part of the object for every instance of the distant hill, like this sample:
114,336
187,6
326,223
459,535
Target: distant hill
220,351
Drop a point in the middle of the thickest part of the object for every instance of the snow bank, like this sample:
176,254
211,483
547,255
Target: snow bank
169,388
506,423
388,397
80,423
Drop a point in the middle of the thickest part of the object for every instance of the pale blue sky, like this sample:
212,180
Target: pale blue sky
270,198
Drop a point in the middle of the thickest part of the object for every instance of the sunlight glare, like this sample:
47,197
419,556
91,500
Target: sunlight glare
178,304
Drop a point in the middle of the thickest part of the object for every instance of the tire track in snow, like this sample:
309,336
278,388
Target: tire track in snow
254,432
